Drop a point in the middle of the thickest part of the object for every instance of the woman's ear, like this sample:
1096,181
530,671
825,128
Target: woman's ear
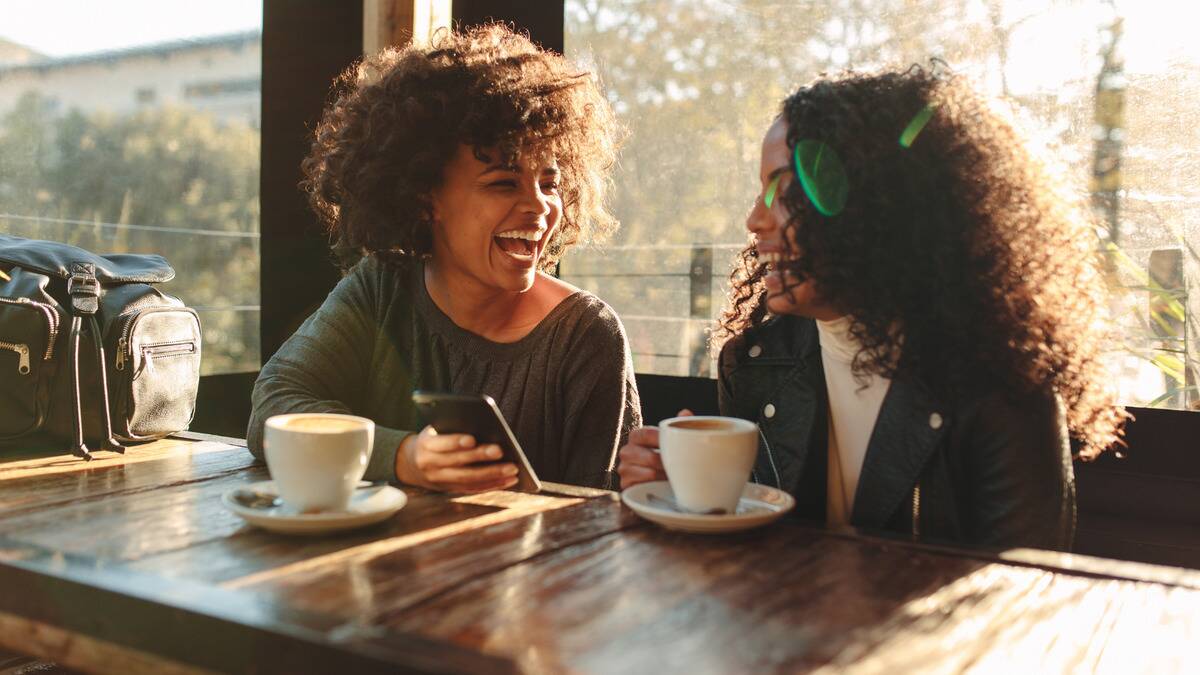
435,207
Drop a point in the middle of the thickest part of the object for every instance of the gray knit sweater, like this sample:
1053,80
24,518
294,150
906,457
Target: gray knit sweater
566,388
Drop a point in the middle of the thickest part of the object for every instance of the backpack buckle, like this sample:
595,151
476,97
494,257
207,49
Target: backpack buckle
84,288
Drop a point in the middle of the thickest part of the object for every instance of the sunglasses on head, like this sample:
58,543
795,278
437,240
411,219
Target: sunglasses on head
822,174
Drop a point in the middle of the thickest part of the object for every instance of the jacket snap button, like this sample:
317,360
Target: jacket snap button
769,410
755,351
935,421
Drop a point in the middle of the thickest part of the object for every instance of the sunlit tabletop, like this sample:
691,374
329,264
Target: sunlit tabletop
132,564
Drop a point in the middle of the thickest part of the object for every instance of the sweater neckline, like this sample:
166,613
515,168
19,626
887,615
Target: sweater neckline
440,323
836,340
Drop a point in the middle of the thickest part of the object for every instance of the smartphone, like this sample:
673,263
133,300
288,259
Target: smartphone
478,416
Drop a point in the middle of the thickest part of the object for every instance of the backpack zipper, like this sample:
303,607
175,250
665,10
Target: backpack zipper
916,510
123,342
124,348
22,351
164,349
51,321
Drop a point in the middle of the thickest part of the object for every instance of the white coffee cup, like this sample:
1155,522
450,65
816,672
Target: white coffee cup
317,459
708,459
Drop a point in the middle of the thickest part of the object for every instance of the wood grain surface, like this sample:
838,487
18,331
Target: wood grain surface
567,580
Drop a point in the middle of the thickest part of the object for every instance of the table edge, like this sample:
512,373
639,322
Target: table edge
123,608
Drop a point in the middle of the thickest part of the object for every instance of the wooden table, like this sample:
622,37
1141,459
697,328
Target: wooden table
129,564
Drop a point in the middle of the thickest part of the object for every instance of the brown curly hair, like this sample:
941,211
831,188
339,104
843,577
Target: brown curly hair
965,242
399,116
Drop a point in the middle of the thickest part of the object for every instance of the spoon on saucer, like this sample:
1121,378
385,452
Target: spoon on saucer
266,500
257,500
671,504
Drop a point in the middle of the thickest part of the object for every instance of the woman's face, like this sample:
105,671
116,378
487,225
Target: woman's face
492,222
786,294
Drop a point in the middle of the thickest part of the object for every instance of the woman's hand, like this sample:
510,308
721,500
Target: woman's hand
638,460
452,463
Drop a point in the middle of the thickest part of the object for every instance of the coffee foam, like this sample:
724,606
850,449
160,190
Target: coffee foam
702,425
320,425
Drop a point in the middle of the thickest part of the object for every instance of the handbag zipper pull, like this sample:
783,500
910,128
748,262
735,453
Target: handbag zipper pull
23,359
121,348
916,510
22,351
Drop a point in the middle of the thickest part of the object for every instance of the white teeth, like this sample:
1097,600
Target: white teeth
528,235
521,256
772,257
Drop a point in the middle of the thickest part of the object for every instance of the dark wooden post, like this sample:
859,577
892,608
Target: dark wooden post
700,295
1168,308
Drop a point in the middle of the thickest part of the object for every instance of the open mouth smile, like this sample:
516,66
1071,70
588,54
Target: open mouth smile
522,246
770,260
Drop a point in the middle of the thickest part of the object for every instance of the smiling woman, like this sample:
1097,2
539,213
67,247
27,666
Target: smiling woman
492,222
460,172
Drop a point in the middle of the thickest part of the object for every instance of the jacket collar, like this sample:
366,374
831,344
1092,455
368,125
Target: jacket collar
808,403
904,438
906,434
778,364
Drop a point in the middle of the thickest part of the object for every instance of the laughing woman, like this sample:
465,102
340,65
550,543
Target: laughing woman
463,171
915,325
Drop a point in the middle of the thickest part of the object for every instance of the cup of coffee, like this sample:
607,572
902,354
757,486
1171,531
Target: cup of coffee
708,460
317,459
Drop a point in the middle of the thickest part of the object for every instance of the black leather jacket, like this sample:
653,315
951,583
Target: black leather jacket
983,470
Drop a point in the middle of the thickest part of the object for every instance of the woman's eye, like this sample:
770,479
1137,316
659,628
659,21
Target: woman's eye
550,187
772,189
504,184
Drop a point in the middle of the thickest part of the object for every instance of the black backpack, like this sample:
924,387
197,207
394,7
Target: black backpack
90,352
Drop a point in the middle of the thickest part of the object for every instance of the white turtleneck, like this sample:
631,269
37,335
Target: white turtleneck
853,411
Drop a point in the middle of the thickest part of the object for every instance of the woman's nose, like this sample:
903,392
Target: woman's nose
535,201
759,219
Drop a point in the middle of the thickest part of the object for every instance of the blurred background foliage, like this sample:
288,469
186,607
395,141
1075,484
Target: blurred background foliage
698,82
168,180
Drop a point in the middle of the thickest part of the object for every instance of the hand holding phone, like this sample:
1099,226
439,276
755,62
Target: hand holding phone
453,463
473,420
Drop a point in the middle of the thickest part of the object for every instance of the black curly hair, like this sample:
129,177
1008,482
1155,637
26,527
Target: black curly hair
398,117
960,260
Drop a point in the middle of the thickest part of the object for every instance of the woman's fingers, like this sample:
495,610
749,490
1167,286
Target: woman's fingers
646,437
446,458
473,475
632,475
446,442
640,463
635,455
453,463
685,413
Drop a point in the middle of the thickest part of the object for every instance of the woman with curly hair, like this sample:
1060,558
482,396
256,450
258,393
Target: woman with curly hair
915,323
462,171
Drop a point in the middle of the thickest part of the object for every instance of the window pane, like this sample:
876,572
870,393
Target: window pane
133,126
697,83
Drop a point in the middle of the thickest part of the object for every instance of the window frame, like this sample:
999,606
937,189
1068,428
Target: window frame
305,45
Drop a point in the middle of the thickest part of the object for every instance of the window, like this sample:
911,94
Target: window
102,147
221,88
1114,85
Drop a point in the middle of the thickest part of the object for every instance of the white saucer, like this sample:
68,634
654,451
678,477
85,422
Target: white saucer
759,505
369,504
